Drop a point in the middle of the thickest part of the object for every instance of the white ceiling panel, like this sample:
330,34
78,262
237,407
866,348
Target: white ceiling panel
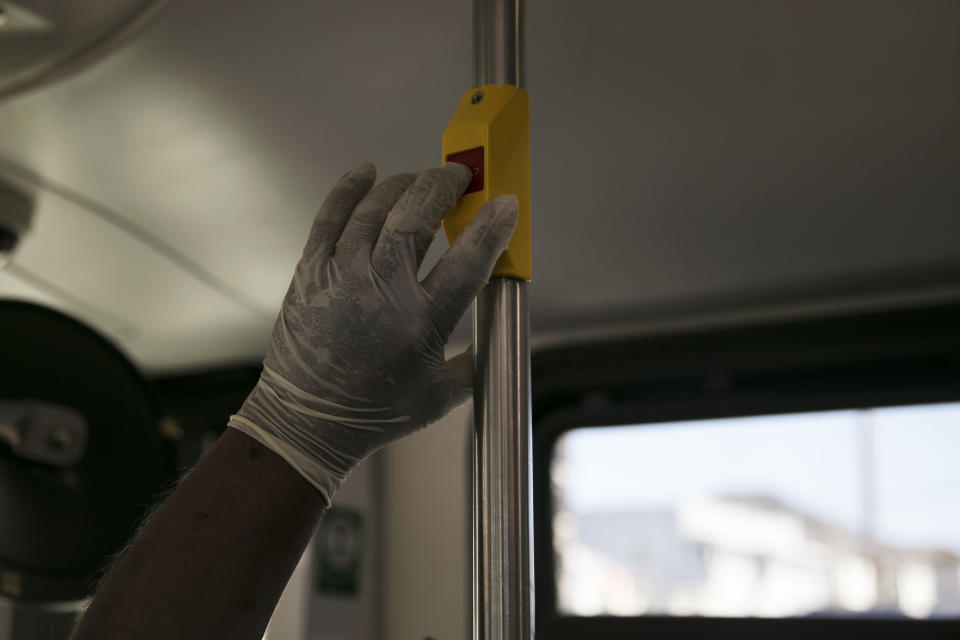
161,315
221,129
16,288
687,156
720,153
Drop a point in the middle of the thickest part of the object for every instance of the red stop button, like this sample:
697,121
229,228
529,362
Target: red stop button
473,159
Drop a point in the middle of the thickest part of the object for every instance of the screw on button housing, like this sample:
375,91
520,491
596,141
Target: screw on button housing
477,97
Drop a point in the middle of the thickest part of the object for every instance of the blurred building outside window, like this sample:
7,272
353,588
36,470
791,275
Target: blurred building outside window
831,514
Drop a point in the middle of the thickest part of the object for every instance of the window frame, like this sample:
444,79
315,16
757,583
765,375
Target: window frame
881,359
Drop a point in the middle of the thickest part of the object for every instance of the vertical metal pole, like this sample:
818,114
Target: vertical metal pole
503,577
498,43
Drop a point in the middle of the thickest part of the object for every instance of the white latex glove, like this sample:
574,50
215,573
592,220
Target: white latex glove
357,358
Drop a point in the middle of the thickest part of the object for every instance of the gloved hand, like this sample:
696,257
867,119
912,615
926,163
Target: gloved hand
357,357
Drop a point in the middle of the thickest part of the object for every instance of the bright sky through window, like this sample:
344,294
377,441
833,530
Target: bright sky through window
801,514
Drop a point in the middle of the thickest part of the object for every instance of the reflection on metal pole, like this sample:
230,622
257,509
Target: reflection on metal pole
502,525
503,583
498,45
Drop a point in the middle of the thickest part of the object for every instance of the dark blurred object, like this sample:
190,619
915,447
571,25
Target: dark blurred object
200,402
43,432
59,525
16,210
20,622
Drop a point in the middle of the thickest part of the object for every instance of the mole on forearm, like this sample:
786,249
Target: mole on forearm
256,452
201,515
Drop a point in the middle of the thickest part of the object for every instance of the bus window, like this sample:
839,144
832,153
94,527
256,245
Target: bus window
823,514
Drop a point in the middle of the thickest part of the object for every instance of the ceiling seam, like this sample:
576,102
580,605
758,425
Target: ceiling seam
694,320
86,56
123,328
153,241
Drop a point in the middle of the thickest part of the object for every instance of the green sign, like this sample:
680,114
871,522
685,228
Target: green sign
339,552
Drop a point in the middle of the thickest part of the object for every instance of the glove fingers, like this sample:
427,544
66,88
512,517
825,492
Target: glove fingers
466,266
336,210
363,227
414,220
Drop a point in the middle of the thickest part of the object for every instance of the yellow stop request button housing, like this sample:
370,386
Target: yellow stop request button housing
490,133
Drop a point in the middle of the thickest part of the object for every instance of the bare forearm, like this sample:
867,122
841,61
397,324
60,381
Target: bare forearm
356,361
213,560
